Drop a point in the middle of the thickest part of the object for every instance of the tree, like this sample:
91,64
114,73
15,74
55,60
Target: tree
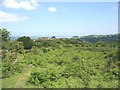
4,38
4,34
27,42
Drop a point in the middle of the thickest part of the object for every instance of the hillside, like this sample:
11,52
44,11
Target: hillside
58,63
90,38
104,38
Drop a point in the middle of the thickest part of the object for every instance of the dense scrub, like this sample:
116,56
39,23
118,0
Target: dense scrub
84,67
60,63
71,67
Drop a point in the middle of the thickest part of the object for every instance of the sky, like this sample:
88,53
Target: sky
34,18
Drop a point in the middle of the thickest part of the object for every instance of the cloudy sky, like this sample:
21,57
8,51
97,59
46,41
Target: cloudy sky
34,18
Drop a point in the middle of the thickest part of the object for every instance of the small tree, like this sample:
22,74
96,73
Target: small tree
27,42
4,34
4,38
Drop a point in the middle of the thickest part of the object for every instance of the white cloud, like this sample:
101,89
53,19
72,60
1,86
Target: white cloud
11,17
24,4
10,4
35,2
52,9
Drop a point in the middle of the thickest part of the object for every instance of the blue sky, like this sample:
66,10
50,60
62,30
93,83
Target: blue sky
59,18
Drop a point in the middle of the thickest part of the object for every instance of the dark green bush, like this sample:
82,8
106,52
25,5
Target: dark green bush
27,42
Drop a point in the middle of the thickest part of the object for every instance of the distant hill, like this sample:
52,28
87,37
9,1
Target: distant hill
15,37
104,38
90,38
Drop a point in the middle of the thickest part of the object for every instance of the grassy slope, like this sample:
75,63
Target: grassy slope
49,59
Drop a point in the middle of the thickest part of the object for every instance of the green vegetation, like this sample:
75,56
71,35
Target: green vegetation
4,34
102,38
27,42
59,63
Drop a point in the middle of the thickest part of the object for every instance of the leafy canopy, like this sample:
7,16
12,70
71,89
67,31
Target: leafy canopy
27,42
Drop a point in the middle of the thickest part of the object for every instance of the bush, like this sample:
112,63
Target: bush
9,69
40,78
27,42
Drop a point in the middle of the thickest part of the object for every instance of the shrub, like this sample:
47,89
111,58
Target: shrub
40,78
9,69
27,42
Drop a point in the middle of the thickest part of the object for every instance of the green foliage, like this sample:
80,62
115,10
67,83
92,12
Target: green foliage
5,45
56,63
16,46
4,38
42,78
27,42
72,41
36,51
9,69
4,54
103,38
4,34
